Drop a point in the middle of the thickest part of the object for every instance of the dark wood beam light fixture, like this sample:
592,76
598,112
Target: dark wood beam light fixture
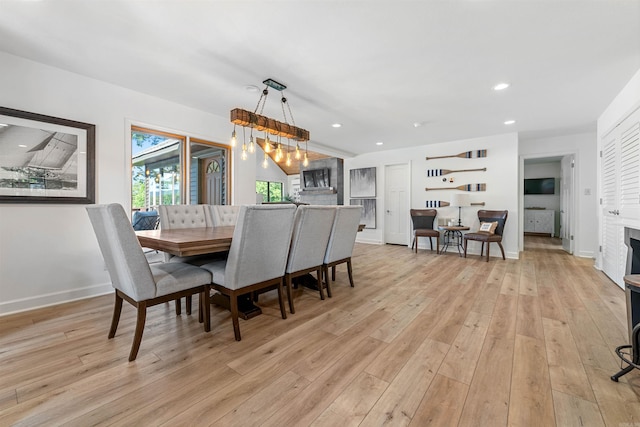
287,129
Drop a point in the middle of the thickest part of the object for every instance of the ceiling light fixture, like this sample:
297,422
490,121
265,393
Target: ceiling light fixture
501,86
379,143
509,122
255,120
336,125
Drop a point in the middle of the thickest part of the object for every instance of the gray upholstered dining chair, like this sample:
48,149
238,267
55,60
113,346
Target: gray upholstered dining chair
257,256
134,280
224,215
311,231
341,242
184,216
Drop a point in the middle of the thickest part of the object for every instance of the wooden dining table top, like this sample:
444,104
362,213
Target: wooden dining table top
190,241
187,241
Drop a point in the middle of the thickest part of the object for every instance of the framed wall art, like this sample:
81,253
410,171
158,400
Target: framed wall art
362,182
45,159
368,211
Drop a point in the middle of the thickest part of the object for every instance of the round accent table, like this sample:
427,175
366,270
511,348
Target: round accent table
452,236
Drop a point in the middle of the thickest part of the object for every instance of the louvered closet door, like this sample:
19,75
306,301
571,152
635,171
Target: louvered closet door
629,205
609,192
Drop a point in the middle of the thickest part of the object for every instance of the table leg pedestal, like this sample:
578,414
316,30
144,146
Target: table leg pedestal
246,308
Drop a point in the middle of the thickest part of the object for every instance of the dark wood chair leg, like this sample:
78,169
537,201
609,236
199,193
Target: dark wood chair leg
292,310
188,302
283,312
488,248
431,243
481,249
321,288
351,272
178,307
117,309
233,302
413,241
319,275
201,308
325,273
416,239
333,269
137,337
501,250
206,304
465,247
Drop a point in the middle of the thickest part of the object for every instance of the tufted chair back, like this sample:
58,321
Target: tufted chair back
224,215
184,216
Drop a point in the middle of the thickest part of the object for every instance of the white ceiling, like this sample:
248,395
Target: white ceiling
377,67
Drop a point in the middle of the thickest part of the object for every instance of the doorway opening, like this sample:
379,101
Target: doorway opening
547,203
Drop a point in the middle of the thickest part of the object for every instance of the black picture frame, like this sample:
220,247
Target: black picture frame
45,159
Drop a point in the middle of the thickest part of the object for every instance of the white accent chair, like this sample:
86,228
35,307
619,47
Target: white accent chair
311,231
184,216
224,215
342,240
134,280
257,256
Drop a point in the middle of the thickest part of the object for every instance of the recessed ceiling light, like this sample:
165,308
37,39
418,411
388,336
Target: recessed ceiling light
379,143
509,122
2,124
251,88
417,124
337,125
501,86
22,146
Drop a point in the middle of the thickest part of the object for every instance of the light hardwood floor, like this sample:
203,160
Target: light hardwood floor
422,339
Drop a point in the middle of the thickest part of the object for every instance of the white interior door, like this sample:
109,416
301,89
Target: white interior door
567,167
396,200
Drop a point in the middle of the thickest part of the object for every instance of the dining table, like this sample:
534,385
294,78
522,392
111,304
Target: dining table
184,242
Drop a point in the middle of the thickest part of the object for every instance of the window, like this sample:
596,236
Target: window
158,160
271,191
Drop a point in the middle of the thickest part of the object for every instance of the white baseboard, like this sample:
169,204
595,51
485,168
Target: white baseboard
369,241
31,303
586,254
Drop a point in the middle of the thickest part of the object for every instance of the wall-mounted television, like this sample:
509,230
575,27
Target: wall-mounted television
316,178
540,186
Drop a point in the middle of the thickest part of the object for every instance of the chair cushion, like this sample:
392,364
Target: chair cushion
483,236
489,227
178,276
217,269
426,232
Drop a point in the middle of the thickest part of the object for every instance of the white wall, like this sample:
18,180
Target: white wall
48,253
501,178
584,147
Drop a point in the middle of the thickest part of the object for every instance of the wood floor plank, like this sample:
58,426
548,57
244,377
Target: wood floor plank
442,404
565,367
353,404
493,371
311,402
401,399
460,362
571,411
529,319
531,401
